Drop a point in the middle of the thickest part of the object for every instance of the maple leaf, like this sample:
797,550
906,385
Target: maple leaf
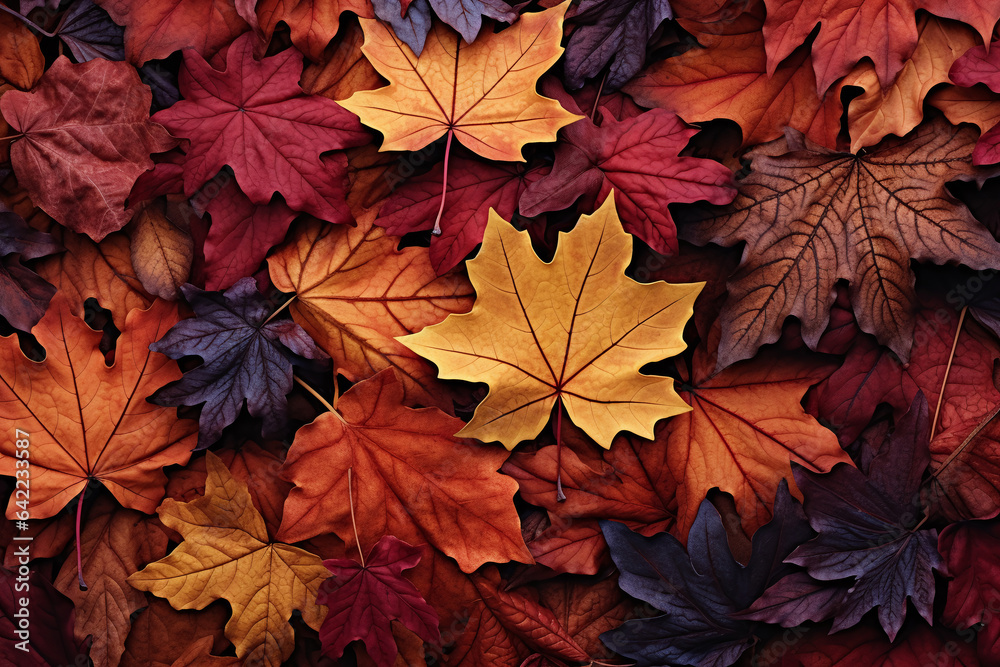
226,554
87,128
113,436
474,188
574,331
974,592
25,294
271,133
883,30
614,33
898,108
355,292
154,30
313,23
485,97
160,635
364,598
979,65
117,542
90,33
246,357
640,159
587,608
342,69
868,535
734,440
415,480
700,588
412,24
727,77
813,216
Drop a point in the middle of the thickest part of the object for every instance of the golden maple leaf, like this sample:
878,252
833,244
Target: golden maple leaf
483,92
226,553
574,330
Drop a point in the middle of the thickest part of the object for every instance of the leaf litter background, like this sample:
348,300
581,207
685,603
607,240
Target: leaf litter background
459,332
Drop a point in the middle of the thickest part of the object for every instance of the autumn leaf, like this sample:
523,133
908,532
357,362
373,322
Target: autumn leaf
486,99
245,357
49,643
414,480
226,554
113,436
160,634
574,331
815,216
726,76
975,589
354,292
363,599
313,23
90,33
883,30
162,249
24,294
271,133
87,128
21,60
154,30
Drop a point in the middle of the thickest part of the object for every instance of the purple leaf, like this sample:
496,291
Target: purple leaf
90,33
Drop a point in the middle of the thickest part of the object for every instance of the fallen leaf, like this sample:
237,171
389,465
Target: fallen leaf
160,634
860,218
974,593
114,437
363,599
355,292
494,116
270,132
90,33
87,128
49,639
226,554
162,250
21,60
313,23
580,307
414,480
245,358
24,294
342,69
154,30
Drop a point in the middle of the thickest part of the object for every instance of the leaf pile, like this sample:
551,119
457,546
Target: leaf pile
475,333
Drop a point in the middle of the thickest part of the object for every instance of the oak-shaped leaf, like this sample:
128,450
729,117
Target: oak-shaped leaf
86,127
611,33
870,551
113,436
154,30
812,216
485,95
883,30
413,480
254,117
24,295
640,158
474,187
364,599
246,358
227,554
570,333
700,588
355,292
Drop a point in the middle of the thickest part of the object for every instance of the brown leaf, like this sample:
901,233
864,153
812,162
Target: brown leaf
21,60
162,249
160,634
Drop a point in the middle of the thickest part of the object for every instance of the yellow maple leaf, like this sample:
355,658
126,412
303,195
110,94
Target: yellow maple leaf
227,554
482,92
574,330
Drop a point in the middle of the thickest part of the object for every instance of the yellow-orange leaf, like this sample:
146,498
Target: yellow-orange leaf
574,330
226,554
484,91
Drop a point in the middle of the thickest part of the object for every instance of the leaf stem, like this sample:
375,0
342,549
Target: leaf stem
560,496
13,136
280,308
947,370
79,557
28,22
444,184
597,100
350,496
319,397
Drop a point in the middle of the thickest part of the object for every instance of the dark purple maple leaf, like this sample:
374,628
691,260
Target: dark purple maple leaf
245,358
254,117
90,33
411,24
869,551
24,295
466,16
700,589
364,600
615,32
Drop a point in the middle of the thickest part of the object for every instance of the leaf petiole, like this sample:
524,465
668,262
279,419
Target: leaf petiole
79,557
326,404
444,184
28,22
947,370
350,496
